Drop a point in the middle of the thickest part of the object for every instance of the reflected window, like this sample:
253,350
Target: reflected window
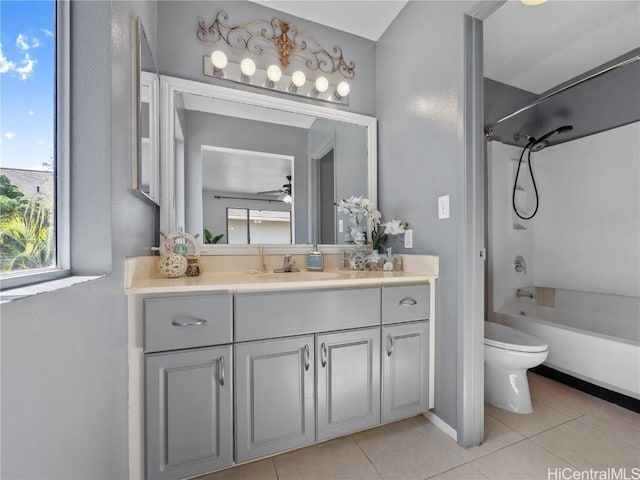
246,226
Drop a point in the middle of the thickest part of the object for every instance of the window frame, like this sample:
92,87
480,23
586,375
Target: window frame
62,144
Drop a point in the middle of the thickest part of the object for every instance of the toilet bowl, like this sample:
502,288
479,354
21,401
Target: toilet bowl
508,354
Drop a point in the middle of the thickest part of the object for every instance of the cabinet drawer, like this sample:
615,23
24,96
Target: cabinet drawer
405,303
185,322
279,314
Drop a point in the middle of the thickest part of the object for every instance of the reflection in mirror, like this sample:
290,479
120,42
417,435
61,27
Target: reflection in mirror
146,158
263,175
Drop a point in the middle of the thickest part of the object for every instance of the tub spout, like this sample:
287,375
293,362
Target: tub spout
525,293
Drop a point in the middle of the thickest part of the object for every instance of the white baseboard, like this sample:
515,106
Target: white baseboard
442,425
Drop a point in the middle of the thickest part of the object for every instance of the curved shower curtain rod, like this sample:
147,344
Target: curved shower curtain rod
488,129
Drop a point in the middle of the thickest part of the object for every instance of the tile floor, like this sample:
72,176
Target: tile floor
568,428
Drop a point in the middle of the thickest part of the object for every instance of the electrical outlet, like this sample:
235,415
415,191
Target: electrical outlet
340,226
443,207
408,238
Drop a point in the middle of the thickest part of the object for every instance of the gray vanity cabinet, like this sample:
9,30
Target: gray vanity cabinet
405,370
275,407
189,412
348,381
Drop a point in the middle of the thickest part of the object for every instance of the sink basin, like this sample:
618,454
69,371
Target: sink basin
299,276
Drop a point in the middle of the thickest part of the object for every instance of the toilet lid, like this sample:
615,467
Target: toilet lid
503,336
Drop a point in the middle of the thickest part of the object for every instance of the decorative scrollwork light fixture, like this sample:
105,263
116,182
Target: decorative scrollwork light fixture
284,40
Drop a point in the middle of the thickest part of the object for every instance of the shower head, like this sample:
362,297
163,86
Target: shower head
542,142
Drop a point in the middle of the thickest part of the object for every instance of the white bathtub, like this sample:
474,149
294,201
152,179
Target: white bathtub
598,347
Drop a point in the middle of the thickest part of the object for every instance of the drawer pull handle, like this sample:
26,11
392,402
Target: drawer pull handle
189,323
407,302
221,370
323,354
389,344
307,357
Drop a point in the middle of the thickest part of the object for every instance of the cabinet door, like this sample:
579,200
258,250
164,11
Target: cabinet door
189,412
348,381
405,370
275,407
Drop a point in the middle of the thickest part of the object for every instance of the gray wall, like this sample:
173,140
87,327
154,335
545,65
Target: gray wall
64,354
229,132
419,108
600,104
180,52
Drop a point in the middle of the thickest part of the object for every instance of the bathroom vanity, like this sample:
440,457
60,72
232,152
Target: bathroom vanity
232,366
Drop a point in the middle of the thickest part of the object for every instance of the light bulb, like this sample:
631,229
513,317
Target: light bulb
533,2
248,66
321,84
298,78
274,73
343,89
219,59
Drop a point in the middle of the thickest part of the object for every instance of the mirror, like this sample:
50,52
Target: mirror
256,169
145,121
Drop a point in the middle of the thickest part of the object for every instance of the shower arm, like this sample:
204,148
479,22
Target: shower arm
489,128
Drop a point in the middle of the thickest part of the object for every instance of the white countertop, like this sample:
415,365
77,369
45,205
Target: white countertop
142,278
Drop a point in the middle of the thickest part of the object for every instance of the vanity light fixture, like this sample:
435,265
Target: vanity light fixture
342,90
274,74
298,79
282,39
219,61
321,85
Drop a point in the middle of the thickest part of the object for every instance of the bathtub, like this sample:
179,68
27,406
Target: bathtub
598,347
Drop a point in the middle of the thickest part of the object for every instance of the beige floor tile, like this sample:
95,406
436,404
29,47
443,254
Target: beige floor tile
496,436
563,398
586,447
260,470
522,461
336,459
543,418
463,472
410,449
617,422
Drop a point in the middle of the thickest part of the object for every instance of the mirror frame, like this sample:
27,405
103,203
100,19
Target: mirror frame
170,86
138,42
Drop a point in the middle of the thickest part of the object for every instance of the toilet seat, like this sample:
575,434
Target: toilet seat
507,338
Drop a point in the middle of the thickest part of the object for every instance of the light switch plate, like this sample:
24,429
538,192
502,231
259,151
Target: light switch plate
340,226
408,238
443,207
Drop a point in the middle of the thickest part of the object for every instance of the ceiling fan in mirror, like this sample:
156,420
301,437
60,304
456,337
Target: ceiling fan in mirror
284,193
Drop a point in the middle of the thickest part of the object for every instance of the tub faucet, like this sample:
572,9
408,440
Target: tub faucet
525,293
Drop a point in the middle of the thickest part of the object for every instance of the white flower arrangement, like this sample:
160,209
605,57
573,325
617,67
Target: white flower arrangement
359,207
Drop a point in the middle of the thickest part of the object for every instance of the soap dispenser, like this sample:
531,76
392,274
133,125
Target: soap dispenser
315,259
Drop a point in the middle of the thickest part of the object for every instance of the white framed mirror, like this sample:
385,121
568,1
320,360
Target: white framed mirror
145,122
228,150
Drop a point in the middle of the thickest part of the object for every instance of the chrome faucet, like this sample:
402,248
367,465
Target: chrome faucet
526,293
287,265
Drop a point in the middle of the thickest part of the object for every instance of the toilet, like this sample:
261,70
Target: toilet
508,354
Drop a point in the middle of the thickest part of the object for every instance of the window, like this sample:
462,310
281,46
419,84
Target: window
267,227
33,118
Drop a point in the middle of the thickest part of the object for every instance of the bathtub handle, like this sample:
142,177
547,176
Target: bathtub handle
389,344
407,302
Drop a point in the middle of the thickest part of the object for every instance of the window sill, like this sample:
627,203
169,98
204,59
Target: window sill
19,293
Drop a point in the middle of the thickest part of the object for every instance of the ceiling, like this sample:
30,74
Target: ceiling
243,172
368,19
537,48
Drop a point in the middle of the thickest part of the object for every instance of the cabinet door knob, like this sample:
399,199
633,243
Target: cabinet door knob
407,302
221,370
323,354
389,344
194,322
307,357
